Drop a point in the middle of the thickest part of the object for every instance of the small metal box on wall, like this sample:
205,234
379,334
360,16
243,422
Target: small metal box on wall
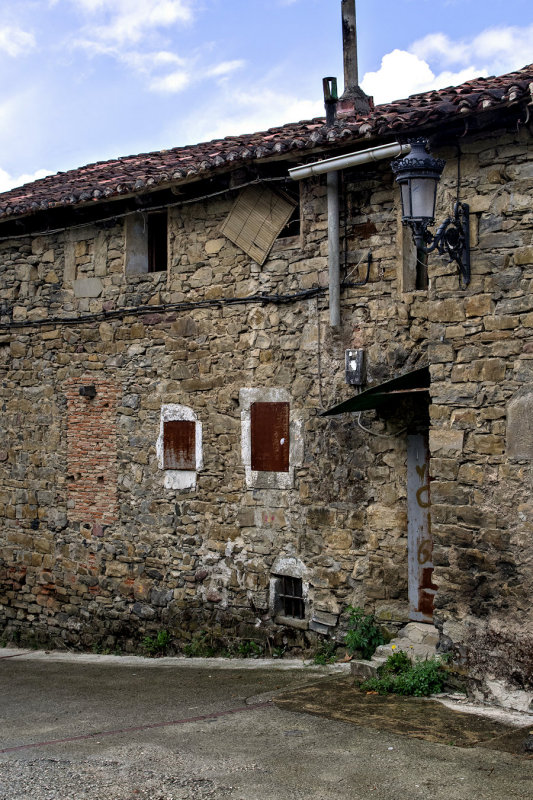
355,367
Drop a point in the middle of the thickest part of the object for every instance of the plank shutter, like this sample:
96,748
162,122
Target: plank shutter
179,445
256,220
270,437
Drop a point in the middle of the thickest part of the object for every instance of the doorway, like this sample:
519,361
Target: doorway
419,539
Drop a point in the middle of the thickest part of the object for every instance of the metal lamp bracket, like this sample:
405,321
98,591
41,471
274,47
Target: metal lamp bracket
452,239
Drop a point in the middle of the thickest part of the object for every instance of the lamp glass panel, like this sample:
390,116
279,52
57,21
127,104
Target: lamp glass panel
406,199
423,198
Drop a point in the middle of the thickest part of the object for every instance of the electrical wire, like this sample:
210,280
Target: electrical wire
375,433
98,316
146,209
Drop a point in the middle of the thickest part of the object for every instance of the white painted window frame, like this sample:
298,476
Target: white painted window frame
179,479
256,479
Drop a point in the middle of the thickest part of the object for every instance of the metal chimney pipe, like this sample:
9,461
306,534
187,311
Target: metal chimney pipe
331,99
349,44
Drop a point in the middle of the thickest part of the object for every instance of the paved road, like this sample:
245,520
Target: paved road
111,728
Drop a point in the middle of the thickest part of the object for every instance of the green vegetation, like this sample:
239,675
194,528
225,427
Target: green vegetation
249,649
363,635
157,645
400,676
325,652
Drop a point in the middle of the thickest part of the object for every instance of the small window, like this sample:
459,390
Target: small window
146,242
157,242
293,226
270,437
290,602
179,444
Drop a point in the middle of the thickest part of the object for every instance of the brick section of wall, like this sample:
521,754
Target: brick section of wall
92,451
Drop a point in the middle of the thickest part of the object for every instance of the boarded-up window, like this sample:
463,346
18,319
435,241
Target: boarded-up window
270,437
256,220
179,445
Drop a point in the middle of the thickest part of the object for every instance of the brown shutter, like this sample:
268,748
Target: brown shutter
179,444
270,437
256,220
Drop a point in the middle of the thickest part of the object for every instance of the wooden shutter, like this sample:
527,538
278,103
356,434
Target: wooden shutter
270,437
179,445
256,220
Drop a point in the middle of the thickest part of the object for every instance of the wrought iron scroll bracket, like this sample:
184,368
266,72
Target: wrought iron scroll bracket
452,239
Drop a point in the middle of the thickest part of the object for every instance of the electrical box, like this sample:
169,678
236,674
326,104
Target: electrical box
355,367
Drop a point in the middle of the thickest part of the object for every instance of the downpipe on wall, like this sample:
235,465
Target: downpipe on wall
331,167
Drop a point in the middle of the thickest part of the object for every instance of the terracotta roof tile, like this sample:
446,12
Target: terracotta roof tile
106,179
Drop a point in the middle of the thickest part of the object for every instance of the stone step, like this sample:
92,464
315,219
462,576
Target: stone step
366,669
420,633
416,652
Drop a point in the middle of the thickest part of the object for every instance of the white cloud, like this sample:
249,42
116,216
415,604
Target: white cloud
437,61
493,51
173,82
402,74
8,181
224,68
127,22
238,112
15,42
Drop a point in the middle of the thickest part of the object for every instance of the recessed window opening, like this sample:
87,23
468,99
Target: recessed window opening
290,597
157,242
292,228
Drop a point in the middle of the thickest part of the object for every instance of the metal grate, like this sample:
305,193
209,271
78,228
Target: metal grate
290,597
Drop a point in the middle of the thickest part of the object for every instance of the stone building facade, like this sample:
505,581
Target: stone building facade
164,463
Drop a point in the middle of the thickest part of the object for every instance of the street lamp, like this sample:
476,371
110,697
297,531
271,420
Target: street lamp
418,175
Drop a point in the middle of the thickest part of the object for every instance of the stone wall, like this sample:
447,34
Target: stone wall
204,559
480,351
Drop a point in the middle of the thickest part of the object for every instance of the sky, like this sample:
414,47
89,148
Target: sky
90,80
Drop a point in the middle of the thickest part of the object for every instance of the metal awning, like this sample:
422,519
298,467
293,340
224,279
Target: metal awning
411,383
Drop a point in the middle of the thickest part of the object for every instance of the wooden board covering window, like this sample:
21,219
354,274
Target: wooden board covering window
270,437
179,445
256,220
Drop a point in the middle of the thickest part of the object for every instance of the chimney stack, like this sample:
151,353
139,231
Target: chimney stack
353,100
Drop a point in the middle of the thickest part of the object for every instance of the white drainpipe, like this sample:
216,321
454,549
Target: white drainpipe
330,167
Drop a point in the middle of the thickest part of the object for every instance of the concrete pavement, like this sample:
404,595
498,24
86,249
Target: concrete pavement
119,728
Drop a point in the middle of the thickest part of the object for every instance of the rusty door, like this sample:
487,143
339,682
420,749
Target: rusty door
419,540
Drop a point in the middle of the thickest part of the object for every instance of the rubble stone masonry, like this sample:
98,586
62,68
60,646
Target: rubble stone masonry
95,551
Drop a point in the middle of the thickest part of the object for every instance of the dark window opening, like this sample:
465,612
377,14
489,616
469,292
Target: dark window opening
157,242
421,280
290,600
270,437
179,445
292,228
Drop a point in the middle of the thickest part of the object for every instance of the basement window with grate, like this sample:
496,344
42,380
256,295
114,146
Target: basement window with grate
289,596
